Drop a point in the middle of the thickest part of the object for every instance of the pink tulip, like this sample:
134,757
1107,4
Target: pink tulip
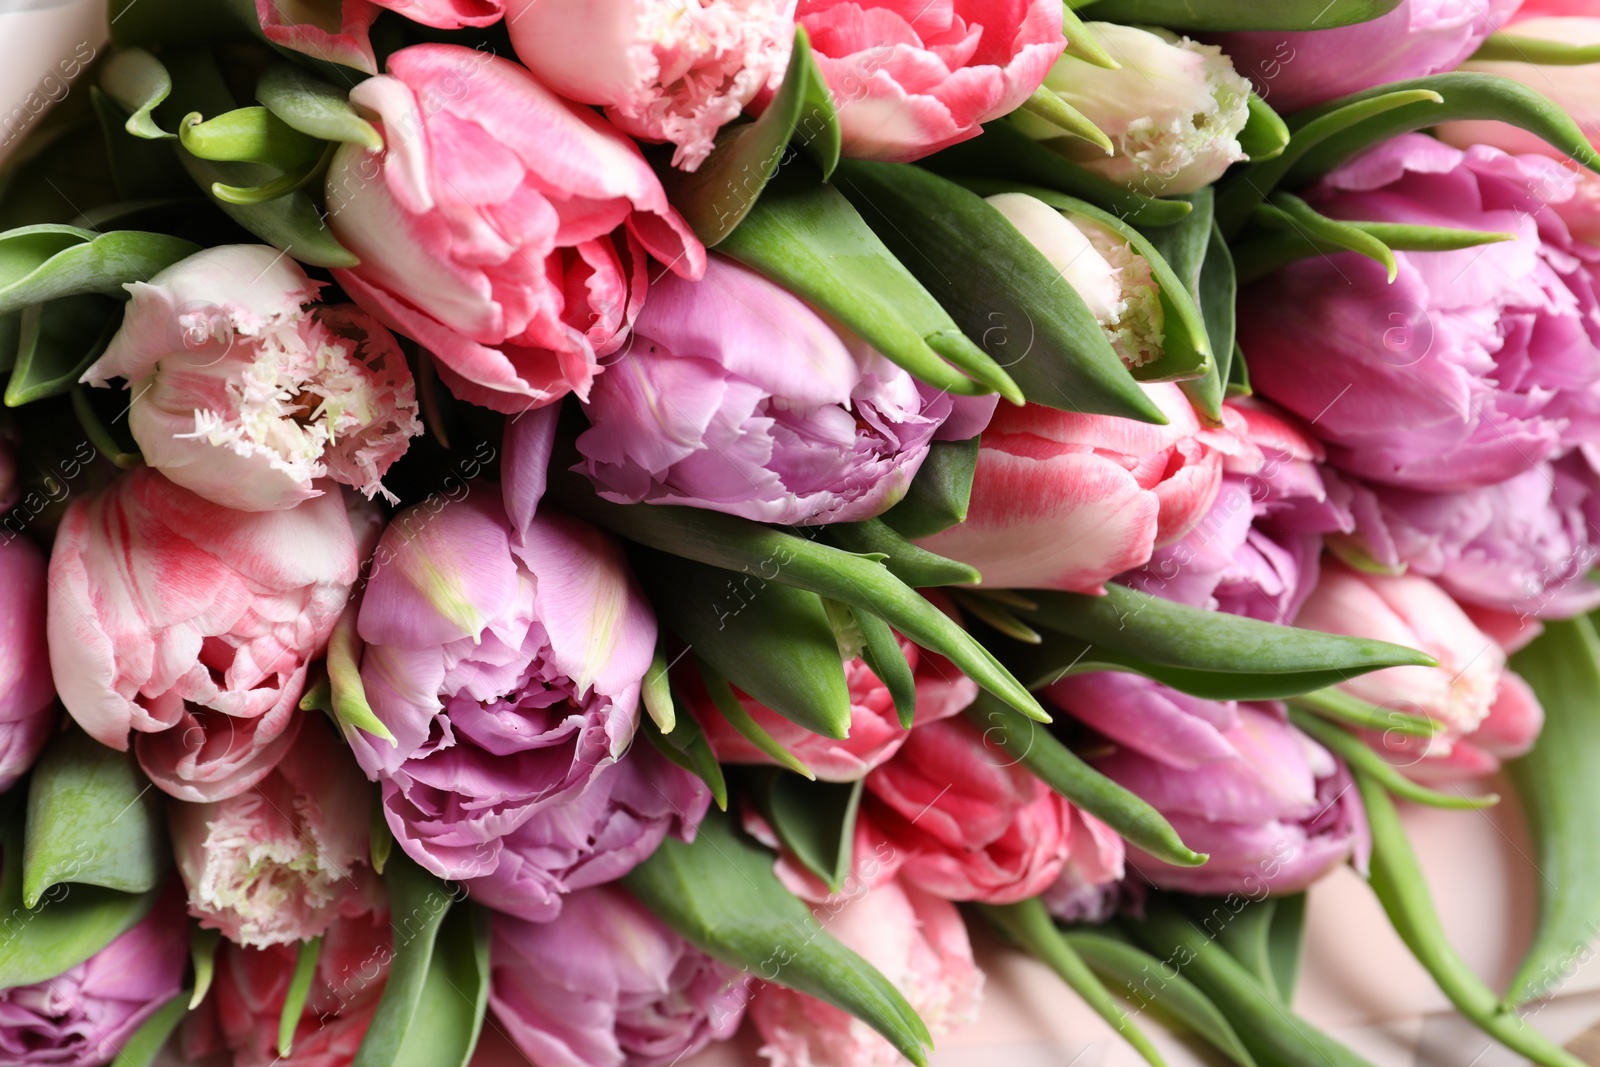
193,624
664,71
1474,365
969,822
1090,885
244,396
1461,694
607,984
1063,500
1297,69
737,397
875,731
501,227
916,940
278,863
507,670
910,79
27,695
349,44
83,1017
875,861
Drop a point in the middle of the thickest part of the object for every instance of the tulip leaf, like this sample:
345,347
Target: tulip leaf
92,820
720,893
1336,705
47,262
1401,887
1083,44
885,658
1005,153
1286,943
1028,925
1185,246
1265,134
1241,14
656,693
146,1042
1046,105
917,567
59,340
1290,210
1560,792
1354,751
940,493
138,82
310,105
1018,308
203,944
1511,48
808,238
688,748
347,694
1218,299
380,839
1037,749
294,998
771,640
249,135
815,821
418,903
455,993
728,704
1249,936
1280,238
1145,979
996,614
142,171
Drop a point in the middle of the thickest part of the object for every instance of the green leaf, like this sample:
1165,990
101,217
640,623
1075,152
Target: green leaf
145,1043
249,135
688,748
742,721
1356,752
720,894
656,693
940,493
313,107
771,640
92,820
379,837
1046,105
1289,211
1006,153
816,821
808,238
294,999
1277,243
59,340
817,131
1242,14
917,567
1184,247
1036,748
1337,705
347,693
1218,299
1017,307
1028,924
1511,48
47,262
887,660
1083,44
1286,942
203,957
1247,935
138,82
141,170
418,903
455,994
1265,135
1560,791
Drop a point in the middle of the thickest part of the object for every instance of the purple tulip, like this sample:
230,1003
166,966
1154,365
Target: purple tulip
27,694
1474,365
735,396
507,670
607,984
81,1018
1274,809
599,836
1299,69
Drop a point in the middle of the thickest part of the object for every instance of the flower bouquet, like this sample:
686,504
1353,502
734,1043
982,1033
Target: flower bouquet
630,519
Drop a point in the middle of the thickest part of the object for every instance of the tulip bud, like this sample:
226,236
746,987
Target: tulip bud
1174,110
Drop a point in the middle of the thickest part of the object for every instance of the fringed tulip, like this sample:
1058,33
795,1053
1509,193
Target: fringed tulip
278,863
735,396
335,31
507,670
1173,110
501,227
910,79
245,395
192,624
608,985
664,70
27,694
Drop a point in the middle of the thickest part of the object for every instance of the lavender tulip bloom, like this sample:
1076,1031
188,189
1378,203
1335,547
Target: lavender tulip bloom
83,1017
507,668
735,396
1274,809
27,694
607,984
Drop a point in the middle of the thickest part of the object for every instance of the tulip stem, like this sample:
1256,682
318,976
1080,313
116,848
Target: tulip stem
1508,48
98,434
294,1001
1057,112
1341,707
1356,753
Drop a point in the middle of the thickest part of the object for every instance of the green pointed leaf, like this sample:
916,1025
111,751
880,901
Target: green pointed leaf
39,263
817,131
294,999
940,493
656,693
1218,300
203,957
1265,135
455,993
887,660
816,821
59,340
1286,942
145,1043
93,819
1242,14
1044,104
720,894
771,640
742,721
346,692
1356,752
138,82
140,169
418,903
1560,791
380,839
1005,153
249,135
1512,48
313,107
1036,748
1185,246
1083,44
1277,242
1238,374
1017,307
808,238
1289,211
917,567
1247,935
688,748
282,185
1336,705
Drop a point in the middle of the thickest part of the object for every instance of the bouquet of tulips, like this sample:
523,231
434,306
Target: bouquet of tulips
632,518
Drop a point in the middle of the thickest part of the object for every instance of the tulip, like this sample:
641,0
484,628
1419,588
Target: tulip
1274,810
1090,885
1419,37
874,861
1461,694
193,624
663,71
508,673
1173,110
608,984
1063,500
278,863
970,823
915,940
243,397
349,43
616,822
501,227
1473,366
1257,551
875,731
83,1017
737,397
27,696
9,489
